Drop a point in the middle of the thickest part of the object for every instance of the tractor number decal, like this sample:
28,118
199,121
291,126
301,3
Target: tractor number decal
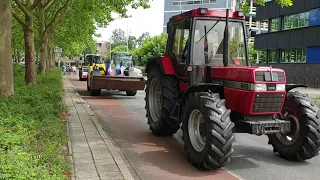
244,86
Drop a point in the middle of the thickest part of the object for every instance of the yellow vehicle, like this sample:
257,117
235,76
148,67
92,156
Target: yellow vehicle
100,78
89,61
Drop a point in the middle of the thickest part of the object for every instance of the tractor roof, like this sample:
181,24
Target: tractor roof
204,12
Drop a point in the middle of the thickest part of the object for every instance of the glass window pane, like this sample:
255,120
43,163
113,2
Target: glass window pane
295,21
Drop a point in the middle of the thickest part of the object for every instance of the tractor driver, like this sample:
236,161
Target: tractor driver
185,52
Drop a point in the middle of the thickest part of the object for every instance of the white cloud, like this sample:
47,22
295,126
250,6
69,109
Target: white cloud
142,20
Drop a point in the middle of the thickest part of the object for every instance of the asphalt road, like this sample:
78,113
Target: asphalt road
164,158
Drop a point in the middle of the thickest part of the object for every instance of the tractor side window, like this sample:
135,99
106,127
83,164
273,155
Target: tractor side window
180,45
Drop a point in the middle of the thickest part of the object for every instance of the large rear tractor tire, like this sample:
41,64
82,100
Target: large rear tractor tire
303,142
131,93
207,130
162,92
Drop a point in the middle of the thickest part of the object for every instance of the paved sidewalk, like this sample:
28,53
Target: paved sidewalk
94,156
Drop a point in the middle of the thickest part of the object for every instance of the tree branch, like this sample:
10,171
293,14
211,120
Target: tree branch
48,4
18,19
34,5
51,27
20,6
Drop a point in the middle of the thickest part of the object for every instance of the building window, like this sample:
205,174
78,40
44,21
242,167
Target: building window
192,2
296,55
275,24
272,56
296,21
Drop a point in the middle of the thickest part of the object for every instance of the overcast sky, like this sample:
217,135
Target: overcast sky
142,20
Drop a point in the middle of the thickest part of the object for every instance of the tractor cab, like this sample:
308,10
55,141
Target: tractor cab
91,59
196,39
199,34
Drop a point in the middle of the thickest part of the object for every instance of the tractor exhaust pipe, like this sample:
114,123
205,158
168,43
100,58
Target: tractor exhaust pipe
226,45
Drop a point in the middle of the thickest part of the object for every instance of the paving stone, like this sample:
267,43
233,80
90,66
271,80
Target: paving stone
100,150
83,166
80,150
101,162
82,155
111,175
86,174
84,160
102,156
90,178
108,168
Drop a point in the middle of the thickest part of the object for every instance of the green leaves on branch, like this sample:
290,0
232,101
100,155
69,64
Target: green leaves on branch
152,46
282,3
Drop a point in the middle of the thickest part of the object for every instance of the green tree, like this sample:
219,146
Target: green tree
282,3
153,46
253,55
6,78
118,38
132,42
143,37
24,9
50,16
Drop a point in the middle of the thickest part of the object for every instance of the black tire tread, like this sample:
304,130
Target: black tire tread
311,142
170,95
215,112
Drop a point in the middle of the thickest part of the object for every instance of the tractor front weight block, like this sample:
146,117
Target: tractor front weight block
264,127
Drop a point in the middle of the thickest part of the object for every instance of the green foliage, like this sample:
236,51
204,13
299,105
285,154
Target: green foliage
154,46
282,3
83,18
253,55
32,139
118,38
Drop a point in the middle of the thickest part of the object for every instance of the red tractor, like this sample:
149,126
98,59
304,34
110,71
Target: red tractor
205,83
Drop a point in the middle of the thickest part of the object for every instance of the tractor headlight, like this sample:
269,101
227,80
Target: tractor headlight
280,87
260,87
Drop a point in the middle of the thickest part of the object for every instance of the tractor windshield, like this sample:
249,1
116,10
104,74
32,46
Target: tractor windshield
215,43
90,59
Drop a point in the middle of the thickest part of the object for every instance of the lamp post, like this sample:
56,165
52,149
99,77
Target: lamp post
127,35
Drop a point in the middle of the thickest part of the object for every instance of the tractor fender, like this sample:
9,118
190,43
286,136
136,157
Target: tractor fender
164,63
292,86
175,113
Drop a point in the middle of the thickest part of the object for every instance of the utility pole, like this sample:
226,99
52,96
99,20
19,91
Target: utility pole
127,35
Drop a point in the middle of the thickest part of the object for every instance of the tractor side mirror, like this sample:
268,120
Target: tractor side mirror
252,33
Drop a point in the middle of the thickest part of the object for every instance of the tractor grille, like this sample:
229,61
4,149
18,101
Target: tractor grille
267,103
260,76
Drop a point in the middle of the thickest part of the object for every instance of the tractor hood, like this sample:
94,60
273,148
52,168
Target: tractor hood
249,74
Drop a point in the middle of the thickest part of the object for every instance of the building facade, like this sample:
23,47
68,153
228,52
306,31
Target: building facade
175,7
293,39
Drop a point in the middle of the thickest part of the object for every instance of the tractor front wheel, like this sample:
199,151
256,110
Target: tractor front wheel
303,142
207,130
162,92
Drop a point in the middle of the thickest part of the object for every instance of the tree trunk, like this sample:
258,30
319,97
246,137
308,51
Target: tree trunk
30,66
43,41
6,67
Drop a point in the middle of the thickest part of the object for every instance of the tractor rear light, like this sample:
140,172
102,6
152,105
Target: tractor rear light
203,11
260,87
280,87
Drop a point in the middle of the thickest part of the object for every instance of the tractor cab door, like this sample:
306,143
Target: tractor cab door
178,46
